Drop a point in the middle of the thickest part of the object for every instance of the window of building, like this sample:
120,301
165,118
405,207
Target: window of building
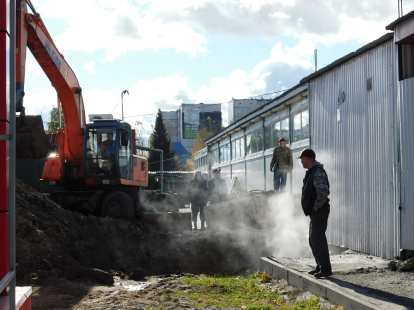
239,144
268,136
297,128
248,144
301,126
405,61
284,130
237,151
274,132
260,143
239,111
214,158
255,142
305,124
225,152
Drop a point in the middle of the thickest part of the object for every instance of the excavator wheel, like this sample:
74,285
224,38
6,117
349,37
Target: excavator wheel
118,205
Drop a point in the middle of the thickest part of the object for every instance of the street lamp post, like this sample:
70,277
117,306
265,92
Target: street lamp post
122,102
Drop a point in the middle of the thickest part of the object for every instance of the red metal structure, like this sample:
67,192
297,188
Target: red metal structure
11,297
4,143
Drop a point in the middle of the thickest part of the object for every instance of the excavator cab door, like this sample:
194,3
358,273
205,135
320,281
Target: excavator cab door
125,152
101,152
124,137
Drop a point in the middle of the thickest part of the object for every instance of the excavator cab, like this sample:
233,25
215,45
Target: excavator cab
108,151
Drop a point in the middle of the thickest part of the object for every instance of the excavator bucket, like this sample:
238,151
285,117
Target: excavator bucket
31,139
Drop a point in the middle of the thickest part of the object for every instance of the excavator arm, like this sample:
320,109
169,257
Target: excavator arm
33,34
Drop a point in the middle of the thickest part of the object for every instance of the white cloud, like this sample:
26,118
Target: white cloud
126,26
118,27
33,66
90,67
285,67
40,103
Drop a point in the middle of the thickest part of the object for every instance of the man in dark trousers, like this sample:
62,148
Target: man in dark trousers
216,188
315,204
196,194
281,164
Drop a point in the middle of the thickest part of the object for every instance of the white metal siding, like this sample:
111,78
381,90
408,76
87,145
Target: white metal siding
359,152
406,100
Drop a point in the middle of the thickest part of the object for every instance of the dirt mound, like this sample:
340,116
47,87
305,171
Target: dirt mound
53,242
31,139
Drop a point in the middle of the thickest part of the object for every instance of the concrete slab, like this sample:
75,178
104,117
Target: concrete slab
23,298
335,289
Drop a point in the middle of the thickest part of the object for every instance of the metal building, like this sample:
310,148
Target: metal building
404,67
358,115
353,122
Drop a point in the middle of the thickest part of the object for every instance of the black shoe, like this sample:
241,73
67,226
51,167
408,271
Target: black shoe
323,274
314,271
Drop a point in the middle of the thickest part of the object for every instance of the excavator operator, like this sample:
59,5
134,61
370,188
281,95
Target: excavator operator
108,146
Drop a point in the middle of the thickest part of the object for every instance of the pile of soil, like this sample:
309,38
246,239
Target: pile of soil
53,242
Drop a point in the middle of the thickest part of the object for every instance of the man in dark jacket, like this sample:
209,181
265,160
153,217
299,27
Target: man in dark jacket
281,164
196,196
315,204
216,188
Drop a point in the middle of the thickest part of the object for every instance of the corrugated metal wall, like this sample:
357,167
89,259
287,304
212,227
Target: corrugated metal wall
406,100
30,172
359,151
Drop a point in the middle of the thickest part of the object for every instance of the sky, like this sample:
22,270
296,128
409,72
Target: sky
166,53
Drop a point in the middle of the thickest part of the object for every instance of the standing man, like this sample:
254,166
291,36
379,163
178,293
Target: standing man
281,164
216,188
196,196
315,204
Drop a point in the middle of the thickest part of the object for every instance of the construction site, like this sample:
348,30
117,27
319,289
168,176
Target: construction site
96,234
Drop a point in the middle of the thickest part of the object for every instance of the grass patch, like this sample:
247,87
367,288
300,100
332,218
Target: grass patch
225,291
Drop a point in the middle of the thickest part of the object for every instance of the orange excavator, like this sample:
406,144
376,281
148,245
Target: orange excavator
95,164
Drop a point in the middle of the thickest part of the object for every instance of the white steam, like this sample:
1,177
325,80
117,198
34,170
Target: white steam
289,234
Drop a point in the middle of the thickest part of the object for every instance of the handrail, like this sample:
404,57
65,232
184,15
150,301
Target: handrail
6,280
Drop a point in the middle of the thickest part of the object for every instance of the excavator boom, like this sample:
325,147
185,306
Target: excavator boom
33,34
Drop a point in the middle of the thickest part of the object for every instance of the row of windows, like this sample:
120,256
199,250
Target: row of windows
240,111
260,139
200,162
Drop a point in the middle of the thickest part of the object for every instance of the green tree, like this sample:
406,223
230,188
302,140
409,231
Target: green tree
53,125
160,139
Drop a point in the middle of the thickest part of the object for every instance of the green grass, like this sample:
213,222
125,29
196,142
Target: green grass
226,292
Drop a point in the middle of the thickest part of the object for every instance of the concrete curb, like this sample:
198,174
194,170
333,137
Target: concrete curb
345,297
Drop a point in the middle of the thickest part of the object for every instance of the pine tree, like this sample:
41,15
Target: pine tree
160,139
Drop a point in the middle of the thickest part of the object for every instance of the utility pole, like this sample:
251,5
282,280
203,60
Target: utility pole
122,102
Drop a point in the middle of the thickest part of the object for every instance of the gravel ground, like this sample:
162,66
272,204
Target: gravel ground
153,293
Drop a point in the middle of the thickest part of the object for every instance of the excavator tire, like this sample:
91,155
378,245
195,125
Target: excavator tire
118,205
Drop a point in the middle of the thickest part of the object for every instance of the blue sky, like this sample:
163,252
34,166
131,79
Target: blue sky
171,52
